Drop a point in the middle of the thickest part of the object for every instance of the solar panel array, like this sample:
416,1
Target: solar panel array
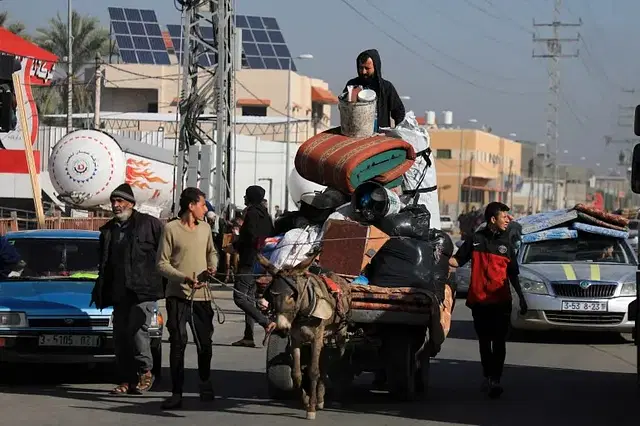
139,40
263,43
138,36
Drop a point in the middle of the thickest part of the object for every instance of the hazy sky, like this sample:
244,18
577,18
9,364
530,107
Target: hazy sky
473,57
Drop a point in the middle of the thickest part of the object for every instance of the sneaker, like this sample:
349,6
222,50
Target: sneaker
206,391
245,343
495,389
173,402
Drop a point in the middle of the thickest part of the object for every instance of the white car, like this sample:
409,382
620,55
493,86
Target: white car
446,224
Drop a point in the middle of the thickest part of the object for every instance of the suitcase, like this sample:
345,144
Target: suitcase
347,247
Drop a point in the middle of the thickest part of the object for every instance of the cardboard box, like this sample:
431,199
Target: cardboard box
347,247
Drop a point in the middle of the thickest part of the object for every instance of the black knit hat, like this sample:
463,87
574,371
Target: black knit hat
125,192
255,194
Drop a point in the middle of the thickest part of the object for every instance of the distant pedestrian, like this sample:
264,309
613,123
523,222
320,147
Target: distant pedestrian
128,281
494,266
257,225
187,257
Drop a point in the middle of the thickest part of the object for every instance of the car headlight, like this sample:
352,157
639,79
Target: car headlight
156,320
533,286
13,319
628,289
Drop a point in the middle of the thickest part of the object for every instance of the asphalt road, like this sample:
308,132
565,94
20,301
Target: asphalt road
557,380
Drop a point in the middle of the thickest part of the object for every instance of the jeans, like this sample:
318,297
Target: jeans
491,323
131,321
244,292
199,315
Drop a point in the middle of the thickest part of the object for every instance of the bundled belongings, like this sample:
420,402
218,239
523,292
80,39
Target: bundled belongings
344,163
568,223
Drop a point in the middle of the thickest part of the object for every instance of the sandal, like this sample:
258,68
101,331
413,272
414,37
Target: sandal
121,389
145,381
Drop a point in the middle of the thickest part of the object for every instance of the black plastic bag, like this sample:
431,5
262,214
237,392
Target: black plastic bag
404,262
442,251
411,221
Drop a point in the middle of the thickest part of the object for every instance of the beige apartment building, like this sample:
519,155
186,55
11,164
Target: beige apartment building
259,93
474,167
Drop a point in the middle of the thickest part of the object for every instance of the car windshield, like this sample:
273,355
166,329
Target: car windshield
586,248
63,258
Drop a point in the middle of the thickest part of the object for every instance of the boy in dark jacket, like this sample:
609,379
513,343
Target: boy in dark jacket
257,226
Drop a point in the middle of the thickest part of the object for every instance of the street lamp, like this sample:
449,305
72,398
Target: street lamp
288,131
472,120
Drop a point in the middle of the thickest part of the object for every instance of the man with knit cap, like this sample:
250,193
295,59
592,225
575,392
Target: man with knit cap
129,282
257,226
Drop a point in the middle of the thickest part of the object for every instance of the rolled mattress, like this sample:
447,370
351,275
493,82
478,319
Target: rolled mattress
344,163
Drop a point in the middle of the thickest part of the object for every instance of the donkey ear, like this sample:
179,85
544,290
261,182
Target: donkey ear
268,266
305,264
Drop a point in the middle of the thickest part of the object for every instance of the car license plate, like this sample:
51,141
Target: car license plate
68,340
568,305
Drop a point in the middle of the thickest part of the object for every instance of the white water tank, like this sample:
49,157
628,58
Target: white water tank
85,166
447,118
431,118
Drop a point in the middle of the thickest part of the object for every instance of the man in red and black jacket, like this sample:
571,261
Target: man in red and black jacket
493,266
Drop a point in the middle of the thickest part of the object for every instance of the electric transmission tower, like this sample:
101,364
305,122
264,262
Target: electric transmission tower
208,72
553,53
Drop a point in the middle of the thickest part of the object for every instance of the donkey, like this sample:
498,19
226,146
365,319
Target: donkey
309,307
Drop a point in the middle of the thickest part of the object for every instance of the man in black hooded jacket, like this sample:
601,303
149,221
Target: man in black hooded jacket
256,227
370,77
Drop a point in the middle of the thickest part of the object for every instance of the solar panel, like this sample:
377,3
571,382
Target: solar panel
138,36
263,45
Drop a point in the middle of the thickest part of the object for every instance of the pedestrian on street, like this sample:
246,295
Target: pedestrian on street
128,281
256,227
187,258
494,266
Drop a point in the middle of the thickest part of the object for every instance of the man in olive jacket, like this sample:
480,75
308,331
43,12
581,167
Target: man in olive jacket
128,281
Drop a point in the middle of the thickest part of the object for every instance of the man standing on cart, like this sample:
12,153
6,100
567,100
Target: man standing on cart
494,266
370,77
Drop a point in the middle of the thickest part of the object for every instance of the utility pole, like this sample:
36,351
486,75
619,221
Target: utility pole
69,67
553,53
204,87
469,184
97,93
510,188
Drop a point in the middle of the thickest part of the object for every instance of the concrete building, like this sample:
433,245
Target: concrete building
474,168
260,92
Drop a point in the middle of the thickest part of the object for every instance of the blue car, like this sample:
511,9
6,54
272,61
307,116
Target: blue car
44,308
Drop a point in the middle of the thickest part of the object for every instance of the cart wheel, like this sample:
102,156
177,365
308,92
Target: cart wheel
279,365
422,375
401,369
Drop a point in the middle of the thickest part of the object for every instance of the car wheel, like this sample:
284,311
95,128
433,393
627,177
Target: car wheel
156,353
278,365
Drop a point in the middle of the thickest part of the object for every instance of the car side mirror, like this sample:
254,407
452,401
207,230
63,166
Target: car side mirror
635,169
636,121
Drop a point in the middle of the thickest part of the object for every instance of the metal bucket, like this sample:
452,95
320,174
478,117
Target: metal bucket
357,119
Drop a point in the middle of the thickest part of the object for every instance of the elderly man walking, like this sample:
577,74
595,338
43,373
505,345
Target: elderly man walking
128,281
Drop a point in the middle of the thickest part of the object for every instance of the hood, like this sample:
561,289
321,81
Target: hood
49,298
579,271
377,62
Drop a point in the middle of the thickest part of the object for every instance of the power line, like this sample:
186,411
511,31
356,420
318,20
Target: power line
554,53
428,61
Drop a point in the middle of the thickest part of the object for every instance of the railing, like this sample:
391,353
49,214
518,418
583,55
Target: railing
78,223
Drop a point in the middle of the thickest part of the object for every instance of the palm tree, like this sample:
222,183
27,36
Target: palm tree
89,39
15,27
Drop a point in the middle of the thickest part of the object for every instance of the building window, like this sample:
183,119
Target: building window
477,196
152,107
256,111
443,154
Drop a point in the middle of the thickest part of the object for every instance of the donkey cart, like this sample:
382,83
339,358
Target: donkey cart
392,332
